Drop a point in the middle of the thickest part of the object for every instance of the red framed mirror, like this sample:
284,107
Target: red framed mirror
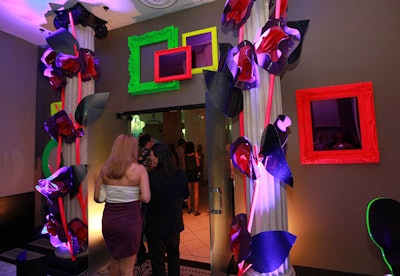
337,124
173,64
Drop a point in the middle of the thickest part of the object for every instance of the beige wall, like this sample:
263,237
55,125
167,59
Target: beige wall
347,42
18,72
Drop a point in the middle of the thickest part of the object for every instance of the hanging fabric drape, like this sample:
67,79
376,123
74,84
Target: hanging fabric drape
74,90
270,212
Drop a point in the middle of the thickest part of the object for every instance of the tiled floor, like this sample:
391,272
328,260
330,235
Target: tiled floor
195,239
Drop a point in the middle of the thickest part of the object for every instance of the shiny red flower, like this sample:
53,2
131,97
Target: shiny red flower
237,12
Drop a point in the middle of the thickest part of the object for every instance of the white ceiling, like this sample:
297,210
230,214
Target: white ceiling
32,20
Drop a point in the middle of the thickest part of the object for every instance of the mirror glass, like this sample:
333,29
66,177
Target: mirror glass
204,49
173,64
201,49
335,124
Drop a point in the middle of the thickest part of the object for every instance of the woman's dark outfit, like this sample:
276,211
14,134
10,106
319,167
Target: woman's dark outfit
164,220
192,171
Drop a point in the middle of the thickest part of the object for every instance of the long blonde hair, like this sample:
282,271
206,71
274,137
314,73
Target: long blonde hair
124,152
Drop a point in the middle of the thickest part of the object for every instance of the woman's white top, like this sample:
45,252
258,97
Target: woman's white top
121,194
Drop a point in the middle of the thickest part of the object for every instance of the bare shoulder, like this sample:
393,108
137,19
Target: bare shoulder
137,169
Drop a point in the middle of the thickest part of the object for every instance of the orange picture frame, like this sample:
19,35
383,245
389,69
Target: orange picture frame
361,94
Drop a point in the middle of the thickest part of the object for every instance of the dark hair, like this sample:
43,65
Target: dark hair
166,164
189,147
181,142
144,139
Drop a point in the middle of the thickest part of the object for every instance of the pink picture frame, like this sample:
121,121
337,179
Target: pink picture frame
173,64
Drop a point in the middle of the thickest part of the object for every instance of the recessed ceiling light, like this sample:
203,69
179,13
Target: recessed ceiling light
158,4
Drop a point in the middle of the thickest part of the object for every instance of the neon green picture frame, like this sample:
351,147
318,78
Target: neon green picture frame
135,43
204,49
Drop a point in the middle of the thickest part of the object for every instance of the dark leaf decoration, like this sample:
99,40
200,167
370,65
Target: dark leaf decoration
272,150
270,249
78,175
220,87
62,41
90,108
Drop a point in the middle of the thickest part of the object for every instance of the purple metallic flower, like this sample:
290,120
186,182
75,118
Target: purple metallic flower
61,125
242,157
274,43
240,238
68,64
236,12
56,185
90,65
241,61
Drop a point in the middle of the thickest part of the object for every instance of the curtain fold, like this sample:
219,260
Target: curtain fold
271,207
85,38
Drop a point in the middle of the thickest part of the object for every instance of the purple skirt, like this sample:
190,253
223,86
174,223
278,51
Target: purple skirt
122,228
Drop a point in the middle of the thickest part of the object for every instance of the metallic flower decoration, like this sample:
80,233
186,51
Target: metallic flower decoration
57,80
272,153
242,157
240,238
236,12
61,125
241,61
79,233
64,58
274,43
68,64
57,185
90,65
54,228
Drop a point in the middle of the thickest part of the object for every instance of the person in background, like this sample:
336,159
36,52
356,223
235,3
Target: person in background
164,220
126,184
201,156
180,150
145,144
192,164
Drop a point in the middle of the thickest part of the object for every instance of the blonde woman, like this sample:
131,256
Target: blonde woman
126,184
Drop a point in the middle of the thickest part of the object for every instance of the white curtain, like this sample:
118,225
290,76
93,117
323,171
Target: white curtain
85,38
271,209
